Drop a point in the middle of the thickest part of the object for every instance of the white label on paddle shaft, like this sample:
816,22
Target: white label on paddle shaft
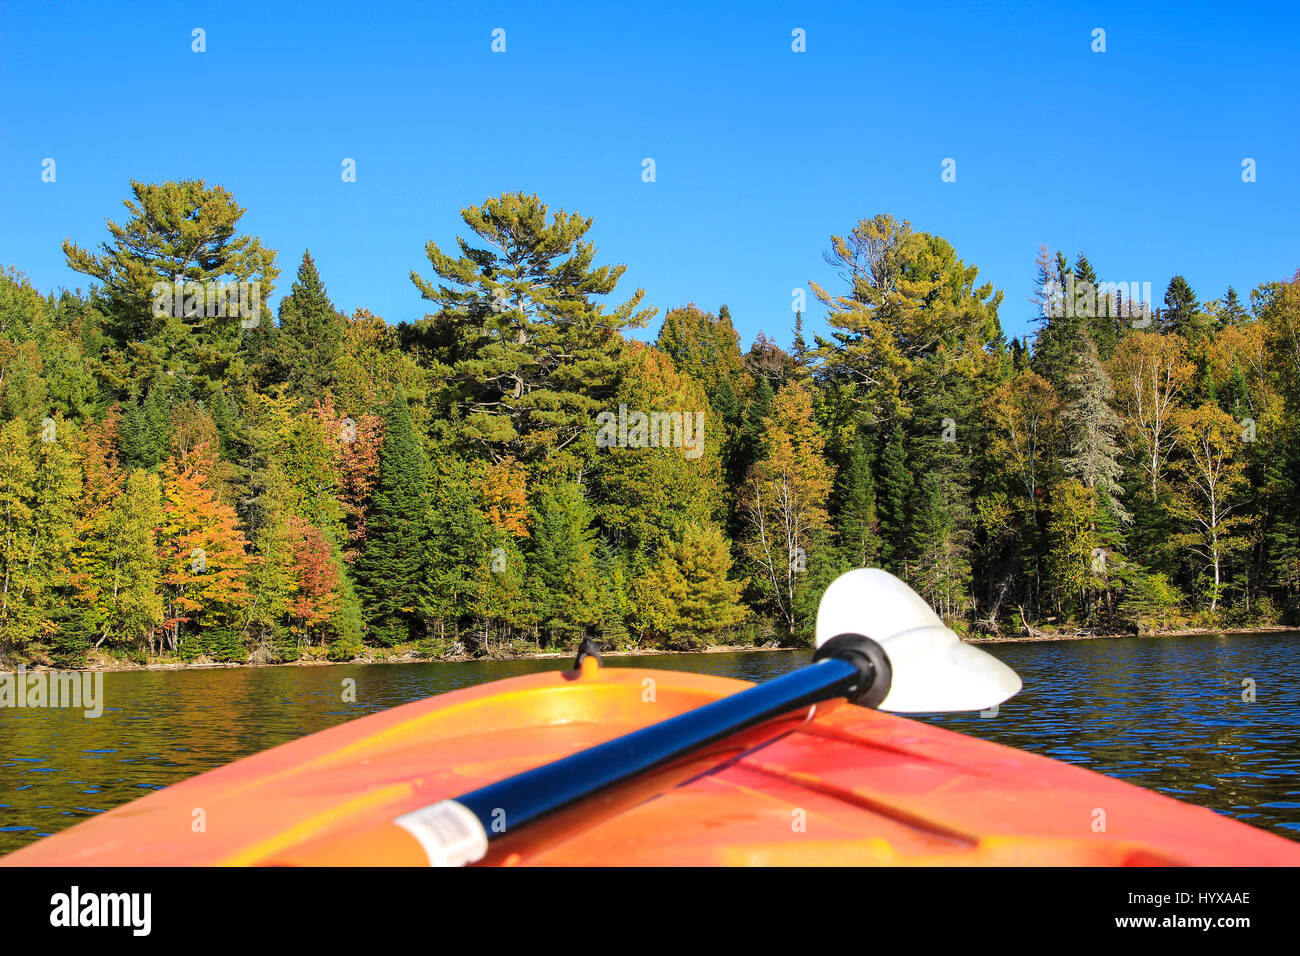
448,831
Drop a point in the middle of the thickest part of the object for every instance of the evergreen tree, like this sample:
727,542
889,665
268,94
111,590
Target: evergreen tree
687,598
310,338
168,277
1062,322
461,533
391,570
562,566
644,496
856,520
940,568
1091,427
799,347
1103,317
1232,312
1182,313
144,431
531,353
892,493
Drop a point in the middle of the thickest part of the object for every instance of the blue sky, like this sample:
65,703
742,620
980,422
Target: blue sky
1133,155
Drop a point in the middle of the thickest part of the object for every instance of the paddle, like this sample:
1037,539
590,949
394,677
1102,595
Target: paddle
879,645
933,671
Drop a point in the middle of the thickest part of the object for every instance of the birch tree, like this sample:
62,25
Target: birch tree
784,499
1211,472
1149,373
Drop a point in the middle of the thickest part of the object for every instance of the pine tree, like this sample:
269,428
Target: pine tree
181,237
645,495
532,354
1091,427
460,535
910,297
892,493
1182,313
686,598
310,338
562,567
1102,320
856,521
144,431
940,569
1059,338
391,572
1021,451
799,347
748,446
1232,312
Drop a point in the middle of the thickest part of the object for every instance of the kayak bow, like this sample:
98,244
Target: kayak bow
601,766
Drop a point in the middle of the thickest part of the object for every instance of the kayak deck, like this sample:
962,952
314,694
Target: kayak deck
851,786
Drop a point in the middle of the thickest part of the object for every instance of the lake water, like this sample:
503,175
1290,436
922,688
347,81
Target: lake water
1163,713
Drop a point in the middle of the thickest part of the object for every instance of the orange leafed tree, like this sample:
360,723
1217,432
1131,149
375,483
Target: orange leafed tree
202,551
356,448
317,578
505,500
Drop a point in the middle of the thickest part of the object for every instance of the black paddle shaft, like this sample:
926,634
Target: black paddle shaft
847,666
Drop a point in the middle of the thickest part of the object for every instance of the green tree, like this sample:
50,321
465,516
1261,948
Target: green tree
686,598
856,522
1073,545
893,491
391,570
311,331
909,297
668,473
168,274
1181,313
531,354
562,567
133,602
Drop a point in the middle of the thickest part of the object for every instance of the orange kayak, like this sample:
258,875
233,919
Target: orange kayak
835,784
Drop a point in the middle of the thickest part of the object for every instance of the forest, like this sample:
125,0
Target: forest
186,476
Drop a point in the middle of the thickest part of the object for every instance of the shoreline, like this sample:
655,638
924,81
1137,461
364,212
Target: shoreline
125,666
412,658
1143,635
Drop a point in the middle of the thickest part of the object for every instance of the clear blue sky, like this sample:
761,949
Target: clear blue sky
1132,155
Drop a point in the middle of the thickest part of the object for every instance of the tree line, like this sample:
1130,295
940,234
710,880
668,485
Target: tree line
185,474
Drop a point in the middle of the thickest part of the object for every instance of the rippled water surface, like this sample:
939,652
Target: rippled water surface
1163,713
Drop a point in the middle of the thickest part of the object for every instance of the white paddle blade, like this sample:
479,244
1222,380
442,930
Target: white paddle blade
933,670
